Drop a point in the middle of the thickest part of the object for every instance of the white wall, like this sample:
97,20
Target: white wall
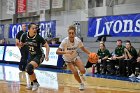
126,9
67,18
123,7
100,11
128,1
4,14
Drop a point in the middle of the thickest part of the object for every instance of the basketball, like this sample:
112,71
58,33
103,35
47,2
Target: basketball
93,58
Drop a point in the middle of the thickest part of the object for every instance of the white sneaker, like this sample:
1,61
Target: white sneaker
81,87
138,77
29,87
35,86
132,75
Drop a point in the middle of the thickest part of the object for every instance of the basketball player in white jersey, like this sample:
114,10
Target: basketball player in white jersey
68,48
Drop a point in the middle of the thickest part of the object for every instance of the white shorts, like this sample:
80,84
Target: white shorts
72,60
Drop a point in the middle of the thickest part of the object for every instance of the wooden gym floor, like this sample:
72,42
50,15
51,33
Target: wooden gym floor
14,81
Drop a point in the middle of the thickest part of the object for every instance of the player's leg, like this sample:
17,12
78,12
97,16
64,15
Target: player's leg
25,56
21,60
88,65
76,75
74,71
30,70
31,66
80,65
138,65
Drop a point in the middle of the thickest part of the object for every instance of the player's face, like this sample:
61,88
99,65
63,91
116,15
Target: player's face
127,45
71,33
101,46
33,30
119,43
24,27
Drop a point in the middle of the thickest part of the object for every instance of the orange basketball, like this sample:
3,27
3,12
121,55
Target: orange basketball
93,58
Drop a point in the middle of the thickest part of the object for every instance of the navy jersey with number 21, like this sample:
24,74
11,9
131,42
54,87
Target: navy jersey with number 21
34,43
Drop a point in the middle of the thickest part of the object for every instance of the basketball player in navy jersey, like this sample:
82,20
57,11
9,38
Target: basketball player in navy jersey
23,50
34,42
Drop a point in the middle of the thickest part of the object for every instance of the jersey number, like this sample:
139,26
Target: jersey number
31,48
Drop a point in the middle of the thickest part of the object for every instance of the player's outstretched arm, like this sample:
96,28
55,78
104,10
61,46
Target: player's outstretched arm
61,52
47,51
85,50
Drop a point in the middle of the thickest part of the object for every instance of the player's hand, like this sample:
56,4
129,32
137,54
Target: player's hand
138,59
89,54
114,57
99,60
19,44
47,58
125,50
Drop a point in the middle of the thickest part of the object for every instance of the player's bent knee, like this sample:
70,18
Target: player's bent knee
83,71
30,69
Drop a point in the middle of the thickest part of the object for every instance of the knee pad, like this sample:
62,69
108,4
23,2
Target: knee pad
29,69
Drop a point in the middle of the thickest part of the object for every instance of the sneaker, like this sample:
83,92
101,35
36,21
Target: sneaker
132,75
81,87
29,87
138,77
35,86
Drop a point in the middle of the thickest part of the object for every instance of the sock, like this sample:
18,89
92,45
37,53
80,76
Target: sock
81,74
31,83
35,81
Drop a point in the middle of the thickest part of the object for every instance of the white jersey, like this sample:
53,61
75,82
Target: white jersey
66,45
